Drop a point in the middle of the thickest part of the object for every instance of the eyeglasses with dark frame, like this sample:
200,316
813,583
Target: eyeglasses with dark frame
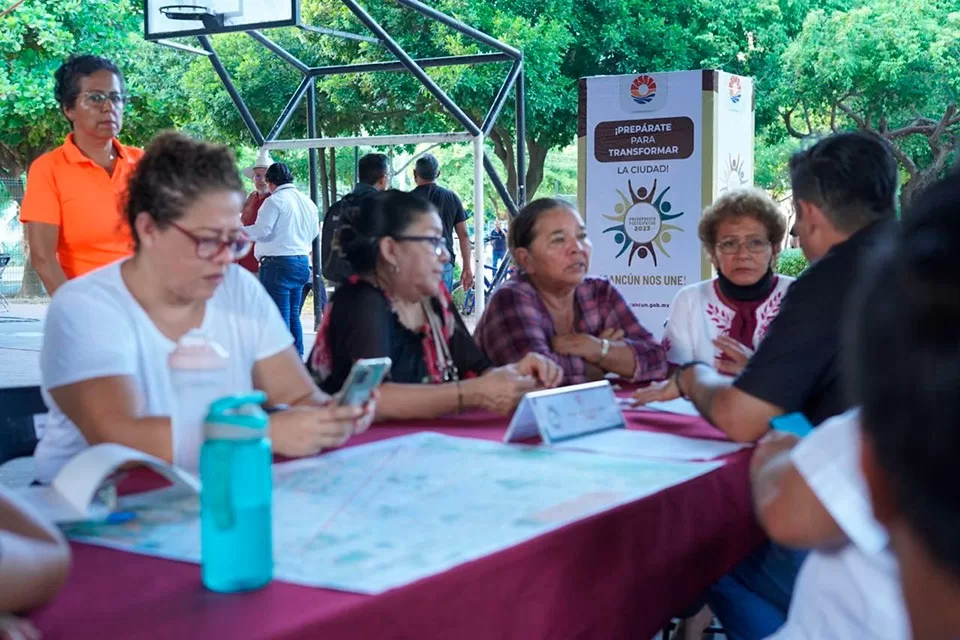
96,99
210,248
732,247
439,244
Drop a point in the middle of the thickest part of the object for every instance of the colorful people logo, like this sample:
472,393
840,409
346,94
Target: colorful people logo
734,175
642,219
735,86
643,89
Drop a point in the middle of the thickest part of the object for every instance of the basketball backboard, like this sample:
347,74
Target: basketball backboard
174,18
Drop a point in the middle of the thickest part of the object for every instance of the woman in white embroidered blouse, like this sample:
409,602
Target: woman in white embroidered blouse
722,320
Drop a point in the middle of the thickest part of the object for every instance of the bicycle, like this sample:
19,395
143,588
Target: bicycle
467,306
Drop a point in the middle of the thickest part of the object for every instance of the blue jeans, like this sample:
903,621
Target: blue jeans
751,601
447,276
284,277
307,288
497,257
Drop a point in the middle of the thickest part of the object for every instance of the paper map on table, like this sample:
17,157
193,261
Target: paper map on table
370,518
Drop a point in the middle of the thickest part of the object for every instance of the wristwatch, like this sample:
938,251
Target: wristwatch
679,370
604,349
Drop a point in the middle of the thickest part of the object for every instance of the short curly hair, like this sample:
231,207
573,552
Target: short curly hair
174,172
742,203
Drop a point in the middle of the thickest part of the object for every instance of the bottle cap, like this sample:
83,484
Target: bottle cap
197,351
237,418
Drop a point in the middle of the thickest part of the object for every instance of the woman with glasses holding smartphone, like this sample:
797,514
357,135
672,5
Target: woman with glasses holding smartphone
109,333
396,306
72,206
722,320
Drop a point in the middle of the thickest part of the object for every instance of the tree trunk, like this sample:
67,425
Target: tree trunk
536,158
916,185
15,161
333,174
503,149
30,285
322,170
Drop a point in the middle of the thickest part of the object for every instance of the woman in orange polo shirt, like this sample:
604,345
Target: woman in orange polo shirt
72,206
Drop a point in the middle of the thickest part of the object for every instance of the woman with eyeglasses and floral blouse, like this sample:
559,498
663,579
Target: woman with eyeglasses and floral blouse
74,196
109,333
722,320
396,306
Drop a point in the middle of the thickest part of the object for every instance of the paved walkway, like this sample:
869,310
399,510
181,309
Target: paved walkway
21,335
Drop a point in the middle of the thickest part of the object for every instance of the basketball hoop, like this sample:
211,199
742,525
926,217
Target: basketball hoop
193,13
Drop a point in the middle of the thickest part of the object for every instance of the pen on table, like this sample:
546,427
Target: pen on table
119,517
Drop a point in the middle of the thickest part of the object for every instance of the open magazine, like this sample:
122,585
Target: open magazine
84,491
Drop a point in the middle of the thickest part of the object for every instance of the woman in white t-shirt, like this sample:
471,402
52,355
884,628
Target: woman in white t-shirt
108,334
721,321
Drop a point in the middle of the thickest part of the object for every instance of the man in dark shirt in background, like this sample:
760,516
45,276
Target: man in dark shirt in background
373,176
498,242
844,189
452,215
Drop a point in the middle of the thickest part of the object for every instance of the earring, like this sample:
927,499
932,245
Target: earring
395,268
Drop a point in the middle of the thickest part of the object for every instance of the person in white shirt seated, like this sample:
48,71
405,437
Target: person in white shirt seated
722,320
286,226
108,334
906,359
812,494
875,491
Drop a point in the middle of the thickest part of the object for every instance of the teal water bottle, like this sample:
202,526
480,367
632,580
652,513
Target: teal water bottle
236,537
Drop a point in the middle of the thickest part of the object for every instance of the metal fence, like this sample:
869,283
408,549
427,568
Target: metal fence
11,237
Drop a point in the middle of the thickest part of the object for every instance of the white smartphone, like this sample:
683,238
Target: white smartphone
365,376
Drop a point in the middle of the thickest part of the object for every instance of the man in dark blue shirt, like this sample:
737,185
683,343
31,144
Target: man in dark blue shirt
498,241
452,216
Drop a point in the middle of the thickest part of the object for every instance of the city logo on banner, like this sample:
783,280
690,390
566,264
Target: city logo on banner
734,174
643,89
642,227
735,89
643,92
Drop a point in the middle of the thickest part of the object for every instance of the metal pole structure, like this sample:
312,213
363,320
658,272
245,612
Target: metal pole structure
499,186
356,165
443,61
453,23
288,110
501,98
282,53
409,63
521,94
479,250
339,34
312,154
232,90
373,141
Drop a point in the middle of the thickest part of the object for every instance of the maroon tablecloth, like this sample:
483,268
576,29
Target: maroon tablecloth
619,574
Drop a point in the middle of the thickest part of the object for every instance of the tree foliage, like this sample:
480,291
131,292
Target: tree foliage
39,35
891,67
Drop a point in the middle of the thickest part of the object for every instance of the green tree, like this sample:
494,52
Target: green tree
35,39
891,67
562,41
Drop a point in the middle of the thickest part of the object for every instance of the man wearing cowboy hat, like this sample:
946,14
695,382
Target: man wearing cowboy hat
251,207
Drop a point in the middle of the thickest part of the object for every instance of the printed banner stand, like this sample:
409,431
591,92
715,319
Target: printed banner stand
654,150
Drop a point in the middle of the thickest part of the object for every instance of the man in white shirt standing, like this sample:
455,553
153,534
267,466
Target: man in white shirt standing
286,226
812,494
